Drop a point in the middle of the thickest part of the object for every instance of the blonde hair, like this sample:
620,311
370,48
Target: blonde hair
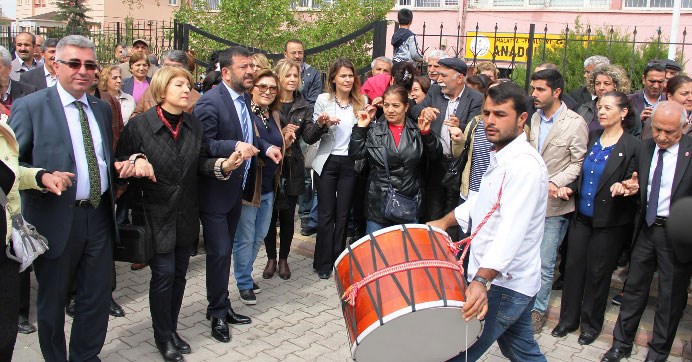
284,66
261,60
105,76
487,66
162,77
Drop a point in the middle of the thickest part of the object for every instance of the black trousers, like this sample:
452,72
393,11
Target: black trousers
653,252
219,233
287,219
591,257
25,293
9,300
335,187
166,290
88,258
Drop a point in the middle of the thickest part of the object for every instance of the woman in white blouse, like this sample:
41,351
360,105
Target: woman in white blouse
334,116
110,81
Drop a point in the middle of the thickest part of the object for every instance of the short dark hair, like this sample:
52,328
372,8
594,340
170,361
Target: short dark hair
226,56
552,78
508,91
398,91
403,73
297,41
49,43
405,16
33,37
676,82
656,65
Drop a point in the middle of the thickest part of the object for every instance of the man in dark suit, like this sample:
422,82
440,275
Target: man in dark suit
449,103
10,90
43,76
665,176
225,113
75,135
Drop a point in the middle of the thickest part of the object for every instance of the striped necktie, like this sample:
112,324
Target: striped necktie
245,125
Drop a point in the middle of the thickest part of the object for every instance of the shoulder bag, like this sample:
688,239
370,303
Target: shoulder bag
398,208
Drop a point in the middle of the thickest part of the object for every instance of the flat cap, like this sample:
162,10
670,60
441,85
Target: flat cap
671,64
454,63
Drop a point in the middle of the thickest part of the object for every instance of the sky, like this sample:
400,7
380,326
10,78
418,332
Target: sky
8,7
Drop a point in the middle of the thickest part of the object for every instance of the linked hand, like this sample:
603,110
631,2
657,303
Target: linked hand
247,150
453,121
274,153
456,134
57,182
144,169
626,188
564,193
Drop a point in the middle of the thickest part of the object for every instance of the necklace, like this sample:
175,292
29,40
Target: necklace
262,114
339,104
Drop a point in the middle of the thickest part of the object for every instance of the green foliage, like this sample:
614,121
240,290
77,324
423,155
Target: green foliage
269,24
629,50
74,13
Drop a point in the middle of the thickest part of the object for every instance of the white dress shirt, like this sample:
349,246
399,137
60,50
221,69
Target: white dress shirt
670,161
50,79
75,127
238,102
510,241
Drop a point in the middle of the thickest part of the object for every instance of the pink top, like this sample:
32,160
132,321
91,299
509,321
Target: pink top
139,89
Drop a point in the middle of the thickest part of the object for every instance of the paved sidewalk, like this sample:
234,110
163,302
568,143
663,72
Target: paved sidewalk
295,320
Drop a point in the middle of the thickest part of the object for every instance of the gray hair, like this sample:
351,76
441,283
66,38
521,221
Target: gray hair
177,56
153,60
5,57
381,59
438,54
75,41
668,104
49,43
596,60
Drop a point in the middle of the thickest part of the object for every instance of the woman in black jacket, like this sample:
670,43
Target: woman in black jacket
602,223
406,146
295,114
172,141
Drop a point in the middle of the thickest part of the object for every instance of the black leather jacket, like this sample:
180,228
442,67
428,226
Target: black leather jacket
293,170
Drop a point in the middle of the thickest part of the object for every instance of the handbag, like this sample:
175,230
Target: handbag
136,244
26,243
398,208
452,177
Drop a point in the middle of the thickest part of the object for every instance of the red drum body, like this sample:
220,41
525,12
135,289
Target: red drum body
409,315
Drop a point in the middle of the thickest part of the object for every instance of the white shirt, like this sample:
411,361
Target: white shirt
50,79
127,105
670,161
510,241
452,105
75,127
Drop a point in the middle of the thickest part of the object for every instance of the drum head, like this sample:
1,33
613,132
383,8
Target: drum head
433,334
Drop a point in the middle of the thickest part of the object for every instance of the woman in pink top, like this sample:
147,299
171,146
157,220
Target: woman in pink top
139,82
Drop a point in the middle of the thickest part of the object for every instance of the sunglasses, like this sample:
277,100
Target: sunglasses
263,88
77,64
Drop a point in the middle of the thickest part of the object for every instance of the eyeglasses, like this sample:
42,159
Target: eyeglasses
77,64
263,88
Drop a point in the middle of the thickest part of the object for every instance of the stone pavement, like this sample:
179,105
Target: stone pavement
295,320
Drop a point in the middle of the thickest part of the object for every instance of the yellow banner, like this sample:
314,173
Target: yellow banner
507,46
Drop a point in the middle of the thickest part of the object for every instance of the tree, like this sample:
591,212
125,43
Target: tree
74,13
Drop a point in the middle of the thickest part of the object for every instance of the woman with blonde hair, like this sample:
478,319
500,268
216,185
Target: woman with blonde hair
488,69
260,62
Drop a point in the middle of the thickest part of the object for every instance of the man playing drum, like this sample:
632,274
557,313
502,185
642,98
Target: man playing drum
505,265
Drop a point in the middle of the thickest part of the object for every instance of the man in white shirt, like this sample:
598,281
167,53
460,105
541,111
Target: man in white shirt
43,76
505,258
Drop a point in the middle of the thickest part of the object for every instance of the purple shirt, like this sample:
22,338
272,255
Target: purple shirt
139,88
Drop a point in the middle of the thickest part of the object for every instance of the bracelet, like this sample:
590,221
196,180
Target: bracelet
137,156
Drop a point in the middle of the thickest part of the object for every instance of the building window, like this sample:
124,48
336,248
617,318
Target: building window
427,3
656,4
173,2
310,4
544,4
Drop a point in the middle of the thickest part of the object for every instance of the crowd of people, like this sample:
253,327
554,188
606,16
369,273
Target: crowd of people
93,146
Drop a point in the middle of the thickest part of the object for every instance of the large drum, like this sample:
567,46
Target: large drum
407,293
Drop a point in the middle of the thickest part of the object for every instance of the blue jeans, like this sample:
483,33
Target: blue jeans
555,230
249,236
508,322
312,222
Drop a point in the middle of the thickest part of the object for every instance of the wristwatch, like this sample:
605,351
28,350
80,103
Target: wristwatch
483,281
135,157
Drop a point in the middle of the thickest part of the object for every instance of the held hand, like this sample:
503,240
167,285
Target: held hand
290,128
363,119
124,169
455,133
274,153
247,150
144,169
626,188
289,138
65,177
552,190
423,124
429,114
564,193
322,119
233,161
476,301
453,121
56,184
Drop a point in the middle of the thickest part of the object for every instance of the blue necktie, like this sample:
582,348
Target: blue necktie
652,205
245,125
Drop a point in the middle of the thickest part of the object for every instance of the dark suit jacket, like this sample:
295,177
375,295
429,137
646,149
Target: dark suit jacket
638,104
682,180
44,140
35,77
20,89
613,211
580,95
129,85
222,131
470,104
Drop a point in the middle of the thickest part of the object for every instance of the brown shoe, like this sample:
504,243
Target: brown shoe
537,321
284,271
135,266
270,269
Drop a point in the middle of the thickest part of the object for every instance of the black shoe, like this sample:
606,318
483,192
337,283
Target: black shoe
307,231
623,259
193,252
247,296
169,352
234,318
560,331
616,354
69,309
255,288
617,299
586,338
219,330
559,283
324,275
182,346
24,327
116,310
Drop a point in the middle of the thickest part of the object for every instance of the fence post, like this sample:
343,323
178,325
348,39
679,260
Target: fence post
564,53
634,48
529,57
186,37
379,39
118,37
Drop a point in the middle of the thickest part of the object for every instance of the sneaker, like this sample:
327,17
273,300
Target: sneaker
256,289
247,296
537,321
617,299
